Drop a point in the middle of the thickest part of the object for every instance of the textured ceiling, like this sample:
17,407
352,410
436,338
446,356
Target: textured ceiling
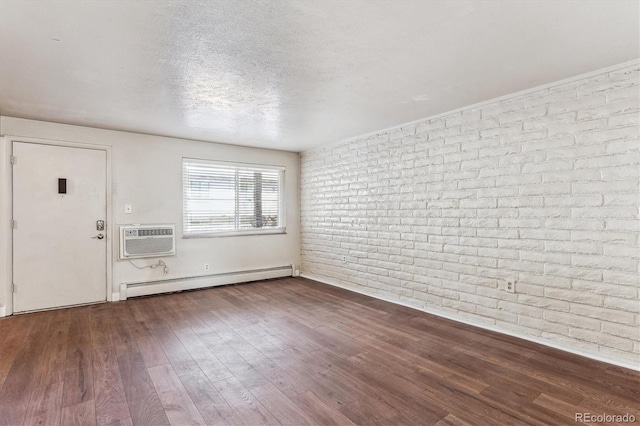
291,74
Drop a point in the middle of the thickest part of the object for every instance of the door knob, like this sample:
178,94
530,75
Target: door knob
99,236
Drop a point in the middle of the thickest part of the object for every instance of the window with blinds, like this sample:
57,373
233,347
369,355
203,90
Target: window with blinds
231,198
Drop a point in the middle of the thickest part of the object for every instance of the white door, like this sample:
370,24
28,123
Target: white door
59,252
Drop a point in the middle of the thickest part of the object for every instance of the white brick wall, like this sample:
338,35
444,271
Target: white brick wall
542,187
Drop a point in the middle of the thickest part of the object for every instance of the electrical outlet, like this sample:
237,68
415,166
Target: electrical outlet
344,259
510,285
206,266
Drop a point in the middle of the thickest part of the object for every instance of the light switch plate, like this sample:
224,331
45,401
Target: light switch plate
128,209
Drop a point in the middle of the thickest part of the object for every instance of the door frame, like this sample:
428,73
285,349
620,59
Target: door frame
6,212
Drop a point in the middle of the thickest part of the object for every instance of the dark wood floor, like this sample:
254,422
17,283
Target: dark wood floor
289,352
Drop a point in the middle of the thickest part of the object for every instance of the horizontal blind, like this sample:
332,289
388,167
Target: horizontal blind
227,197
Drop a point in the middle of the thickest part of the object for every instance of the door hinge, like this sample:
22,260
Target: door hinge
13,159
14,288
14,224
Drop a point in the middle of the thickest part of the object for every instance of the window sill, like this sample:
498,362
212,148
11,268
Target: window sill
236,233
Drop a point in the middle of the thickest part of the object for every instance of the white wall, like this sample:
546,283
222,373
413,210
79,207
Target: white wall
540,186
147,173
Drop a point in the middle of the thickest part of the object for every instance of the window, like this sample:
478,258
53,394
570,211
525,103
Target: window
231,198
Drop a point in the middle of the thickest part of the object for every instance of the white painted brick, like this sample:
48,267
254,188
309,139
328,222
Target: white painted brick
521,223
608,135
624,120
623,212
548,143
499,108
577,127
632,73
613,290
578,104
532,256
623,146
444,133
547,166
605,187
402,132
500,171
543,326
543,188
497,233
502,181
602,314
443,150
572,247
498,151
620,330
590,261
521,202
577,321
574,296
497,192
478,203
524,138
602,236
617,277
592,200
520,309
544,302
545,280
469,126
531,290
546,189
460,118
502,130
628,199
430,126
500,212
461,139
615,81
543,123
497,314
576,152
478,281
558,94
546,212
622,94
573,272
572,175
462,156
521,244
622,225
610,110
602,339
521,265
522,115
529,157
478,242
628,305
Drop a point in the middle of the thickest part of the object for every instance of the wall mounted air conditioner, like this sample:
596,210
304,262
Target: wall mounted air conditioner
138,241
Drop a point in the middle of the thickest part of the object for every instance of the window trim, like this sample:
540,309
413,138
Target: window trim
282,216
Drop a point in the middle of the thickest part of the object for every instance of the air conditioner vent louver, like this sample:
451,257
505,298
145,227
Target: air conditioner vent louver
138,241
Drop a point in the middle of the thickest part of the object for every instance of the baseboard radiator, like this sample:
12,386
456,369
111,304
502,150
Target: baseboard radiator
134,289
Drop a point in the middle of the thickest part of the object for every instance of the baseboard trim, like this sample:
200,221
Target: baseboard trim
2,311
146,288
541,341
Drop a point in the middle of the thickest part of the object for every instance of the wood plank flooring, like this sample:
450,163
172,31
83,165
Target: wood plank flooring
288,352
